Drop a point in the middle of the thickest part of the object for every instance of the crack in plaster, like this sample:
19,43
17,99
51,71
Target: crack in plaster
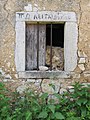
6,9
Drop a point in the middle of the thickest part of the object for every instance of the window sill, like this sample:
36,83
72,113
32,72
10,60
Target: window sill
44,74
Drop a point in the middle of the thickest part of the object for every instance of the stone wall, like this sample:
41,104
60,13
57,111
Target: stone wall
8,11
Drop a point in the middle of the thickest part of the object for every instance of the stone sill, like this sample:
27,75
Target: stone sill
45,74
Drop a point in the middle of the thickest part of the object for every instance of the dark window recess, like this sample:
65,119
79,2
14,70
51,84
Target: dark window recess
55,57
57,35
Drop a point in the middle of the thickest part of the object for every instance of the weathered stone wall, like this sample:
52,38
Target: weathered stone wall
8,10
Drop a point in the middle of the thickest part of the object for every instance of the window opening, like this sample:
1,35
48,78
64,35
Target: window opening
45,46
55,46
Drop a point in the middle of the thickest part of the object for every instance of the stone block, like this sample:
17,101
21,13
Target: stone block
21,89
31,80
8,80
81,66
86,84
2,72
28,7
82,61
5,80
8,76
16,76
38,82
75,75
47,85
43,68
87,74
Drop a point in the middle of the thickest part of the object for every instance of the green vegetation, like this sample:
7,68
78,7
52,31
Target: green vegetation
71,105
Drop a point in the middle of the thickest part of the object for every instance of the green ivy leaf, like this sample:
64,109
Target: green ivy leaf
44,95
78,102
59,116
52,108
83,111
57,96
43,114
73,118
81,101
48,118
28,115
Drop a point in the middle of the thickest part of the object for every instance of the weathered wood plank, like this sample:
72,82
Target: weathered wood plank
31,46
35,47
31,41
42,44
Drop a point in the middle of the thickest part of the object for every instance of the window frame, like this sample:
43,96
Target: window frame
70,38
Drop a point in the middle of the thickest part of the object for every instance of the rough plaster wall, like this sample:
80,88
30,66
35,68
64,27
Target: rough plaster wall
84,31
7,24
8,8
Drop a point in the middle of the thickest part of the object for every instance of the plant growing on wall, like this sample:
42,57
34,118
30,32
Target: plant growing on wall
71,105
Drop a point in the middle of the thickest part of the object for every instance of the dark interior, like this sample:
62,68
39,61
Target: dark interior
57,35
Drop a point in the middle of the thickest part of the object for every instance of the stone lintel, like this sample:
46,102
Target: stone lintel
44,74
46,16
